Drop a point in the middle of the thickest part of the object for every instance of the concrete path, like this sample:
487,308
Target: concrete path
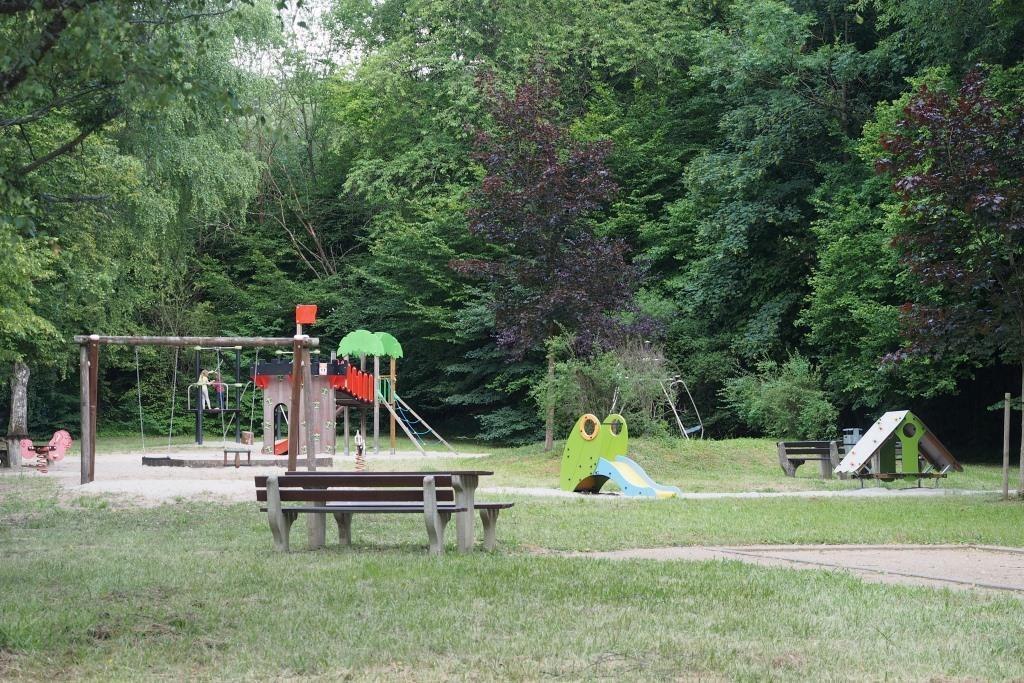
873,492
946,566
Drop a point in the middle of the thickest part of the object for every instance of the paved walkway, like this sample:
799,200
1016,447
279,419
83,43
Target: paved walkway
871,492
944,566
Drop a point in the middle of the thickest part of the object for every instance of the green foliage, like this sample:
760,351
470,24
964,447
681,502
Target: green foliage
784,401
214,170
625,380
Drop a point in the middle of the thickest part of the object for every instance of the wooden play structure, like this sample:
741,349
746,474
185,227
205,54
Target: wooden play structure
900,437
307,406
363,344
300,399
333,382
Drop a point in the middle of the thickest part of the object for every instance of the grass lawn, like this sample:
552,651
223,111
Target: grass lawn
701,466
94,591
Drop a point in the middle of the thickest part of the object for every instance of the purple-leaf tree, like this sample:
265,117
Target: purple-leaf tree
540,188
958,165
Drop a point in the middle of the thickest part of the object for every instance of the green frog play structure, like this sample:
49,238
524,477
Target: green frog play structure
595,452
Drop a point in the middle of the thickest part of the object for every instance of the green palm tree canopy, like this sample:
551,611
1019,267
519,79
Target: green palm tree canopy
360,343
392,348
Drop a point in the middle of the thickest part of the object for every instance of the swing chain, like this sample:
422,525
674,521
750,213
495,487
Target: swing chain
138,384
174,391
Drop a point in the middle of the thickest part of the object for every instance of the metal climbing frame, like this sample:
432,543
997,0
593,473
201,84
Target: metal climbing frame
673,382
199,409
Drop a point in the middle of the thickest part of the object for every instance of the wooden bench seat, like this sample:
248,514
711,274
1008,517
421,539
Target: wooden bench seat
343,494
792,454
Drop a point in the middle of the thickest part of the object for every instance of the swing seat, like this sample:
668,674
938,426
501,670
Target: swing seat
692,430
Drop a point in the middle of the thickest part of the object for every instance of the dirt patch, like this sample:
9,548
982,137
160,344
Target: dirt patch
8,663
947,566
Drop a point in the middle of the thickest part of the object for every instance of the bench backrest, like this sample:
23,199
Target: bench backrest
809,448
354,487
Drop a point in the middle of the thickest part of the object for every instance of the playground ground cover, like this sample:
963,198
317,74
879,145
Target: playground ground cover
97,589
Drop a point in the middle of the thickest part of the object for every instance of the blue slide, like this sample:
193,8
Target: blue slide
632,479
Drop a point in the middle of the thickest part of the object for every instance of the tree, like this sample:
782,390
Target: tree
552,274
957,160
782,92
112,152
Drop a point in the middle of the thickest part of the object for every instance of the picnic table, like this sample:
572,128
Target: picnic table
344,493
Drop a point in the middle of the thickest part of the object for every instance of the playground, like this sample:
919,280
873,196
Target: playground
418,340
109,581
674,557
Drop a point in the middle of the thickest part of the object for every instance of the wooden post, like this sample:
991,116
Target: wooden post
94,399
376,405
787,467
1006,446
362,411
279,527
391,400
347,451
316,523
86,411
309,428
294,407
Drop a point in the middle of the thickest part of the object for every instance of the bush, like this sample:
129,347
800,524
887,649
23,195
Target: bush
784,402
626,380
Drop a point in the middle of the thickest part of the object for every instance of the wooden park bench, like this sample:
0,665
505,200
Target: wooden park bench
435,495
792,454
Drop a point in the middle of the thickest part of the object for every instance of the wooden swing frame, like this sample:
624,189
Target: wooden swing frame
301,397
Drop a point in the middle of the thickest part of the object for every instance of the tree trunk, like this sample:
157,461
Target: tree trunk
17,428
549,423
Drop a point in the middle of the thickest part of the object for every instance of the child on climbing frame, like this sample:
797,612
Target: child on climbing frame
204,389
221,389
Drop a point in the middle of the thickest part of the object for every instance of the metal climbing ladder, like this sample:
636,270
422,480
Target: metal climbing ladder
414,426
